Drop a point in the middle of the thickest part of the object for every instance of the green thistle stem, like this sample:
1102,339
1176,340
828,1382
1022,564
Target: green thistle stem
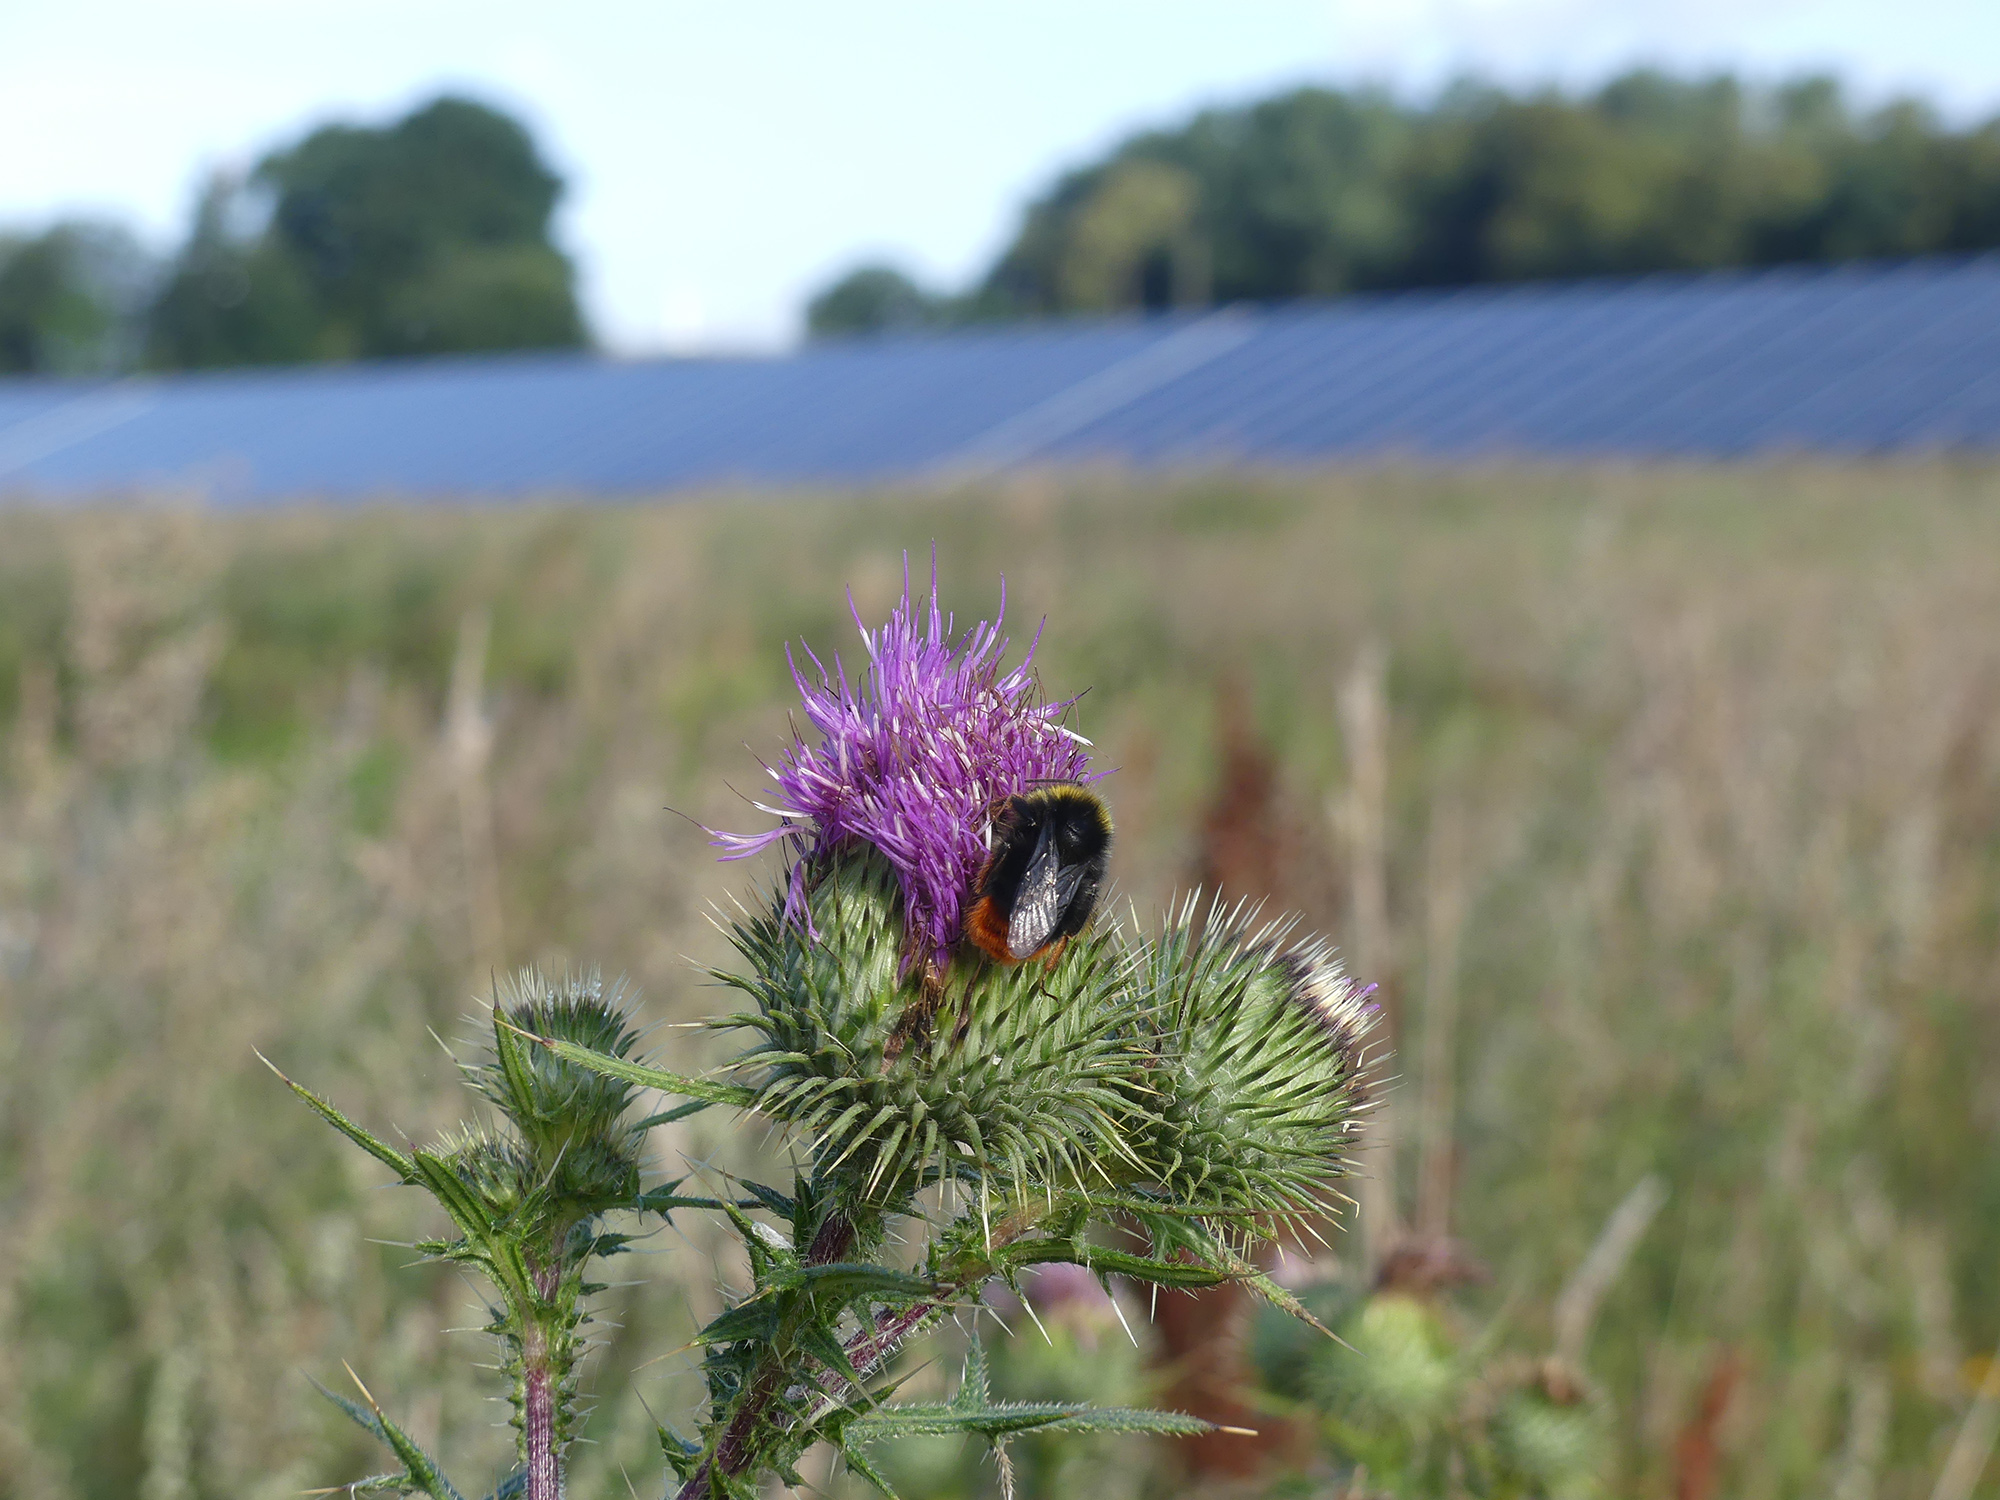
538,1417
867,1351
541,1381
736,1450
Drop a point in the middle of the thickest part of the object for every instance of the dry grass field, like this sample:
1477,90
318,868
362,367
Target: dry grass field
1690,859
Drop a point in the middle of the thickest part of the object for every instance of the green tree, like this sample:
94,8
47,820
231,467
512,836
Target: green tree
69,299
872,299
427,236
1318,192
233,300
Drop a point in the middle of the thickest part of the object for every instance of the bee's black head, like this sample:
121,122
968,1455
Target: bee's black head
1051,847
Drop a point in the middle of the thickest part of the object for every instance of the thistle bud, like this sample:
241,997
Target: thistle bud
1260,1066
497,1170
574,1124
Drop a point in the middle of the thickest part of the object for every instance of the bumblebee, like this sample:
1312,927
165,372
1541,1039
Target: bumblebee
1050,848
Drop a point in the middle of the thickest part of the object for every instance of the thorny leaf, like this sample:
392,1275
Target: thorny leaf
421,1471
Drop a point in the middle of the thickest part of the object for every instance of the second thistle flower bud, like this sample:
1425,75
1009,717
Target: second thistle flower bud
575,1126
1260,1065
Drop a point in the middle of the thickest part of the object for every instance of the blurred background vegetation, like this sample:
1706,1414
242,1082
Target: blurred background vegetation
1664,805
1319,191
431,234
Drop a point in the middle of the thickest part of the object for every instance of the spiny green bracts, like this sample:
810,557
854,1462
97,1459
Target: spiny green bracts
1012,1085
1259,1065
555,1104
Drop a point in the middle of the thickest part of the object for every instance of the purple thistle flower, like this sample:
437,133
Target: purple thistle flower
914,759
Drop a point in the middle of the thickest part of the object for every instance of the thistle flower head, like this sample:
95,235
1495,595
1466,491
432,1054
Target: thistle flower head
1263,1064
1016,1090
912,758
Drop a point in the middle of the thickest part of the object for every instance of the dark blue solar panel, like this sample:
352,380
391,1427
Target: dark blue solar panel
1858,359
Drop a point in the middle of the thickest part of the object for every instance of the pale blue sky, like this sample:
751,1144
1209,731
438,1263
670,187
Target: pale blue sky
726,159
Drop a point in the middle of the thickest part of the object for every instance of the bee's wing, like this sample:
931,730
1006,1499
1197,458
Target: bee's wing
1039,901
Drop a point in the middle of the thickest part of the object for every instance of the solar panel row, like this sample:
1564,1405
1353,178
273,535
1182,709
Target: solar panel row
1843,360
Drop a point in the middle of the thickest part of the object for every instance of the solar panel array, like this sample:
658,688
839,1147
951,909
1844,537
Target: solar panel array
1839,360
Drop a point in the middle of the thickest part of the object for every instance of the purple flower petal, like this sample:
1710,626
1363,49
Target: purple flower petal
913,759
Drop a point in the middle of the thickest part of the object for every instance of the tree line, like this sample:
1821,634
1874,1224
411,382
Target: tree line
1323,191
428,235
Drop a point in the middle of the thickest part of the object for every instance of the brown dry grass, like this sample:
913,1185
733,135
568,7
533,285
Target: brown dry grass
1721,747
